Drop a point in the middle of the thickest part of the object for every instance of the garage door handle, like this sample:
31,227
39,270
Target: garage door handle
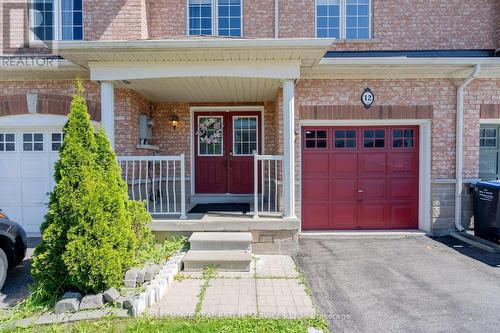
360,191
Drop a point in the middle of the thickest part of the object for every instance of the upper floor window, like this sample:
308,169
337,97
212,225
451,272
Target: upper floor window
215,17
343,19
57,20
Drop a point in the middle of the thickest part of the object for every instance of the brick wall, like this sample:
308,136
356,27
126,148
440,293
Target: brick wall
433,24
296,18
412,24
128,106
498,24
436,93
115,20
258,19
167,18
53,96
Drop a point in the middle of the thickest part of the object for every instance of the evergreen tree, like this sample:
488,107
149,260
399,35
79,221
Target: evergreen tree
74,176
87,237
99,251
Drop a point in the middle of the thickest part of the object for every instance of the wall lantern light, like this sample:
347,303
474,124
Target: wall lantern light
174,120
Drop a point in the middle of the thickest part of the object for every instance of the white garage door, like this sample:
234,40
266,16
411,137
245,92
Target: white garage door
27,158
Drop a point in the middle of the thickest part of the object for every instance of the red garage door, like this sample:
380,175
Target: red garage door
360,178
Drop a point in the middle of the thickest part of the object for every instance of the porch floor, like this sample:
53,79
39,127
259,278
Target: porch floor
227,221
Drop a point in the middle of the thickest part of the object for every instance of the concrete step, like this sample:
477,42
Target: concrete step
225,261
221,241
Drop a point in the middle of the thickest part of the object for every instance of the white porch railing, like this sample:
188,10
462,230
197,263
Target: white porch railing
158,180
270,197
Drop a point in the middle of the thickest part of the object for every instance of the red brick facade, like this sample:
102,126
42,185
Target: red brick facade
397,25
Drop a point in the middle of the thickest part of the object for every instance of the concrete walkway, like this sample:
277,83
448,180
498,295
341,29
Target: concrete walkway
272,289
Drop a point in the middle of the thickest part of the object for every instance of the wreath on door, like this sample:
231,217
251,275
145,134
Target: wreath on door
213,125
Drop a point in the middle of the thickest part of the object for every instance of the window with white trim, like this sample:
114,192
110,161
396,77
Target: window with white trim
7,142
245,131
343,19
32,141
215,17
489,152
56,141
56,20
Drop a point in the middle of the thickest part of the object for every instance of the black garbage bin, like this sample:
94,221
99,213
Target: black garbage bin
487,210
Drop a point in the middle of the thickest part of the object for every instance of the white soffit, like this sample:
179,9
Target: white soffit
205,89
102,71
308,51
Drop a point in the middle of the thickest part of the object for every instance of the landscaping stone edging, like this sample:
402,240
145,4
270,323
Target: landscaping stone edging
156,279
159,285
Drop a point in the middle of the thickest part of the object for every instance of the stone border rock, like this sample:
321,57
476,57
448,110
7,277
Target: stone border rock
156,279
159,285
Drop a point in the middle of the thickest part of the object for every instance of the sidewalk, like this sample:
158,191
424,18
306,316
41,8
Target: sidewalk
272,289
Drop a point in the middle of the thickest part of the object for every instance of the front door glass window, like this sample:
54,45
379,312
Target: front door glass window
210,135
245,140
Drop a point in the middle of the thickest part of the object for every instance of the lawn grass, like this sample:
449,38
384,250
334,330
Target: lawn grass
183,325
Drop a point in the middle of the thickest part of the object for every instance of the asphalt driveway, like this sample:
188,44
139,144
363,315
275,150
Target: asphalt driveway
18,279
413,284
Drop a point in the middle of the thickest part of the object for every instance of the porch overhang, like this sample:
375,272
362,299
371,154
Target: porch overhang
307,51
198,69
401,68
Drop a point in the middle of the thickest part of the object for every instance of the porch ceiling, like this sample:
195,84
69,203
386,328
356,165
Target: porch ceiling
205,89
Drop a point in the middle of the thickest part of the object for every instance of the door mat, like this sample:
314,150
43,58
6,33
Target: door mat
221,207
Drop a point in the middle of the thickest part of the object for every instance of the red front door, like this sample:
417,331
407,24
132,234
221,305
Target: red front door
224,145
360,178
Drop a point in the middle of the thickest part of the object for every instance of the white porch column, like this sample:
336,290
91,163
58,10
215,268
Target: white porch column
288,148
108,110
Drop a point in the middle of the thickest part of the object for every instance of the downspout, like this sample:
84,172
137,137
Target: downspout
276,19
460,147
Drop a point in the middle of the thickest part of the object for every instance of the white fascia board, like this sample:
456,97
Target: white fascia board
112,71
36,121
391,61
193,43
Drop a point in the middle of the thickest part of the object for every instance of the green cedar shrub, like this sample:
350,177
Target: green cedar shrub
75,181
87,237
99,251
141,219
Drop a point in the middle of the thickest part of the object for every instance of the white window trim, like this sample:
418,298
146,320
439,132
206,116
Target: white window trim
343,28
5,142
52,141
33,151
256,137
57,22
198,138
215,18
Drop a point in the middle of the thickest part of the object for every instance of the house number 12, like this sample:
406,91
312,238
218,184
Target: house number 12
367,98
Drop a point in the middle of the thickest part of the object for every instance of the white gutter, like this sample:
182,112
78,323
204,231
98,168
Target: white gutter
460,146
276,19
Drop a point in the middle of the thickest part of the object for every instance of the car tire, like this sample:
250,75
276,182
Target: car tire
4,266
